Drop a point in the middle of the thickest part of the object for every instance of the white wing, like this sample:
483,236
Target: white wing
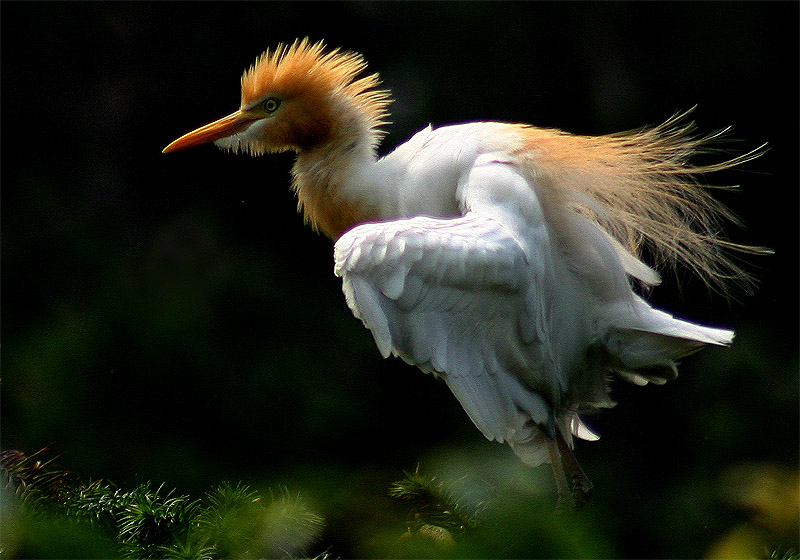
464,298
448,295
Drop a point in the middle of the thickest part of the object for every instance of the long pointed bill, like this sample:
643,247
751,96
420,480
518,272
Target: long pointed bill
226,126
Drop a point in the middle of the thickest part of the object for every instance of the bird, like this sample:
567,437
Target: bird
506,259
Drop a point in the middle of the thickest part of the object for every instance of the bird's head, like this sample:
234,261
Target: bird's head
298,98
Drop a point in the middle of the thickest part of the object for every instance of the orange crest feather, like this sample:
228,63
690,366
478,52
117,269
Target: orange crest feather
306,69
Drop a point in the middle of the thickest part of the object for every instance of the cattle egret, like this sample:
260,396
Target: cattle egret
502,258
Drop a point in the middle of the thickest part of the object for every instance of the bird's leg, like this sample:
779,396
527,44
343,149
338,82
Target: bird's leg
581,485
564,500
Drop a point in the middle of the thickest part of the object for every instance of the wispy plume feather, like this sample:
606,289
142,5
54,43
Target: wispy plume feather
643,189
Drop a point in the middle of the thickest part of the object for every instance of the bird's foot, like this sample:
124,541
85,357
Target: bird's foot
564,505
581,491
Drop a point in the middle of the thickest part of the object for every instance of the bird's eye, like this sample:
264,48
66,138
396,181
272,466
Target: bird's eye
271,105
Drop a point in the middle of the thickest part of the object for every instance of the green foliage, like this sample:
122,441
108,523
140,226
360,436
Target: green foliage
48,512
442,519
481,519
289,525
790,554
54,514
433,505
150,524
231,516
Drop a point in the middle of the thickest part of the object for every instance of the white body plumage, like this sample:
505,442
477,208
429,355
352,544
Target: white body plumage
466,279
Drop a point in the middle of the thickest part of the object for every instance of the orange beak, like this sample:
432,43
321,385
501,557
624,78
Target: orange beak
226,126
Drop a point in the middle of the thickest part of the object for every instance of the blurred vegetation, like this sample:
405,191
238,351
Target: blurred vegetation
171,319
767,495
49,513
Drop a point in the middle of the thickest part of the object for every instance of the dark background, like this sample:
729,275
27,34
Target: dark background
169,318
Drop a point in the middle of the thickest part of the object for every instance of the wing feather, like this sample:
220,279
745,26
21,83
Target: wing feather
448,295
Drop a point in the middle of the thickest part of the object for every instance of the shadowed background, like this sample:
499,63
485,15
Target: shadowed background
170,318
